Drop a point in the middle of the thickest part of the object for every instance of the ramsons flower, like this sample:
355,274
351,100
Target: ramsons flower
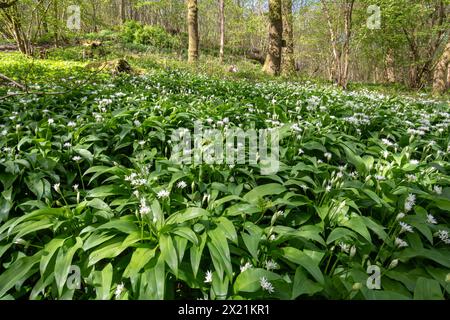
437,189
400,243
266,285
163,194
208,276
119,290
410,201
405,227
431,219
271,265
181,185
246,266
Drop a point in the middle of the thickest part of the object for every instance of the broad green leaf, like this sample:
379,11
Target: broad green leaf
16,271
104,280
427,289
262,191
168,252
63,263
250,279
296,256
140,257
340,233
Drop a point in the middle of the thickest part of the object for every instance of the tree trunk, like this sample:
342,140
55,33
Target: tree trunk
192,19
448,77
222,28
440,77
348,11
389,65
336,61
273,61
12,19
94,16
288,60
123,16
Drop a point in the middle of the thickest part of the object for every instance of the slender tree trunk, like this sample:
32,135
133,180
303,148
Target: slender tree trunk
288,60
55,23
123,16
273,61
222,28
389,65
348,11
440,77
192,19
336,61
94,16
14,25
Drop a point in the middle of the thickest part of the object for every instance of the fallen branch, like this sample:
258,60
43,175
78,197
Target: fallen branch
15,83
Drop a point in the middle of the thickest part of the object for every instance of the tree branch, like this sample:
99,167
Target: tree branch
15,83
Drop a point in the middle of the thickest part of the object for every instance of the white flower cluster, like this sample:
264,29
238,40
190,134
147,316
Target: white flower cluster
410,201
271,265
443,235
136,180
266,285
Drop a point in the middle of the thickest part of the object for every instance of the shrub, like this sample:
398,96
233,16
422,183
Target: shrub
155,36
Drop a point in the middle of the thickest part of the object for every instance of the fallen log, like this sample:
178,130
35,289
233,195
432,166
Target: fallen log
256,54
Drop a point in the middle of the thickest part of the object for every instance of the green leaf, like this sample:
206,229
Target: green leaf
140,257
168,252
63,262
431,254
249,280
105,191
227,228
113,248
186,233
186,215
48,252
220,252
357,224
219,287
16,271
427,289
104,280
125,224
340,233
303,285
262,191
196,254
296,256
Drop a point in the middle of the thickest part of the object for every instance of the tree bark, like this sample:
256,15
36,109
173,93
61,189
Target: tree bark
273,61
222,28
389,65
192,19
348,12
448,77
440,78
288,60
335,70
123,16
